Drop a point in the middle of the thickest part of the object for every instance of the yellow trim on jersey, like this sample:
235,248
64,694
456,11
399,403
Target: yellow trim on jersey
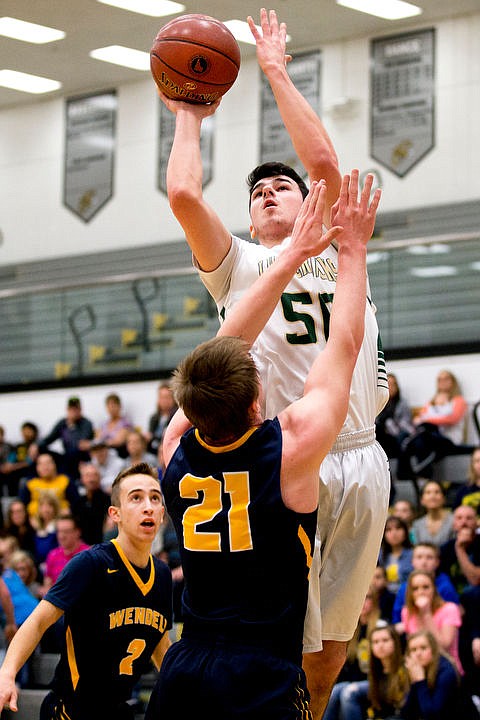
143,587
307,546
225,448
72,661
300,702
63,713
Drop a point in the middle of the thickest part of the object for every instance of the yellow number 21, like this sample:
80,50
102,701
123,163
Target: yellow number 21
236,485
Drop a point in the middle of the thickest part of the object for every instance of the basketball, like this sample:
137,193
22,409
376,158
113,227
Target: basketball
195,58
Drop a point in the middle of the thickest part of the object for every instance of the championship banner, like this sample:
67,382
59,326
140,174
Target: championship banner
89,152
402,99
275,143
166,132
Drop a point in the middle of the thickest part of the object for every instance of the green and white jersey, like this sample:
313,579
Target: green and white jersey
298,329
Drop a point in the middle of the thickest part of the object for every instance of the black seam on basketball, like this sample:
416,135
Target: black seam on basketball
195,42
191,79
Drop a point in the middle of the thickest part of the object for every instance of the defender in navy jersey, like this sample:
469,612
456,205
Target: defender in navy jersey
116,602
354,478
242,491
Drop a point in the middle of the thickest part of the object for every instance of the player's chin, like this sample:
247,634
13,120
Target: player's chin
149,527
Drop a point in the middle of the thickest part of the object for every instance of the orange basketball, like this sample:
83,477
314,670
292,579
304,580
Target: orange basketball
195,58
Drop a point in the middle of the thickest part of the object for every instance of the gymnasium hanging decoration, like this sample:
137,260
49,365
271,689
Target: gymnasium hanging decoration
89,152
402,109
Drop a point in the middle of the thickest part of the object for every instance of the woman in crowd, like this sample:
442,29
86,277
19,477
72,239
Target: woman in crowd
440,427
394,423
424,609
406,511
113,432
24,565
18,525
434,681
469,494
436,525
48,478
396,552
384,693
386,599
388,682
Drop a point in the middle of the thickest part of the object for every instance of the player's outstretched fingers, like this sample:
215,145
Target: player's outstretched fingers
353,187
375,201
344,190
253,28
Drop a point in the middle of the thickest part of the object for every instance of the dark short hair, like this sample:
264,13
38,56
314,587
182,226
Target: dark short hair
31,426
137,469
273,169
74,402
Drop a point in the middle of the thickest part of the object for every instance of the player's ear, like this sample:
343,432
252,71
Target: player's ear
114,513
253,232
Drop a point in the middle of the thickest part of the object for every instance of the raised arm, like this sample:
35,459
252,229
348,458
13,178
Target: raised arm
306,130
252,311
311,424
208,238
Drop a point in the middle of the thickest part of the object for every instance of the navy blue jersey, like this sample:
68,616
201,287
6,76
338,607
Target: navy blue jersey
115,614
245,555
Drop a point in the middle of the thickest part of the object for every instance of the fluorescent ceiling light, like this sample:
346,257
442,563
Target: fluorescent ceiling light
119,55
155,8
376,257
28,32
435,271
388,9
241,31
433,249
27,83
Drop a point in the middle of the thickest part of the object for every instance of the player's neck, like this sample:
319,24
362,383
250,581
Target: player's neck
138,553
270,241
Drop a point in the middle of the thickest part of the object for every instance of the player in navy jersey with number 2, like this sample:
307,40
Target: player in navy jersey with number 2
243,492
116,601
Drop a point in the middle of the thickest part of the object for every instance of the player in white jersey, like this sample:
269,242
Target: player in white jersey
354,478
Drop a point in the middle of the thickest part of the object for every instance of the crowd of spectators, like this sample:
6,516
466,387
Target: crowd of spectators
55,501
416,651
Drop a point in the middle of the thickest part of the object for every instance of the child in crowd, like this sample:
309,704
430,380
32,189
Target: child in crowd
45,525
469,494
386,599
396,553
435,525
405,510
